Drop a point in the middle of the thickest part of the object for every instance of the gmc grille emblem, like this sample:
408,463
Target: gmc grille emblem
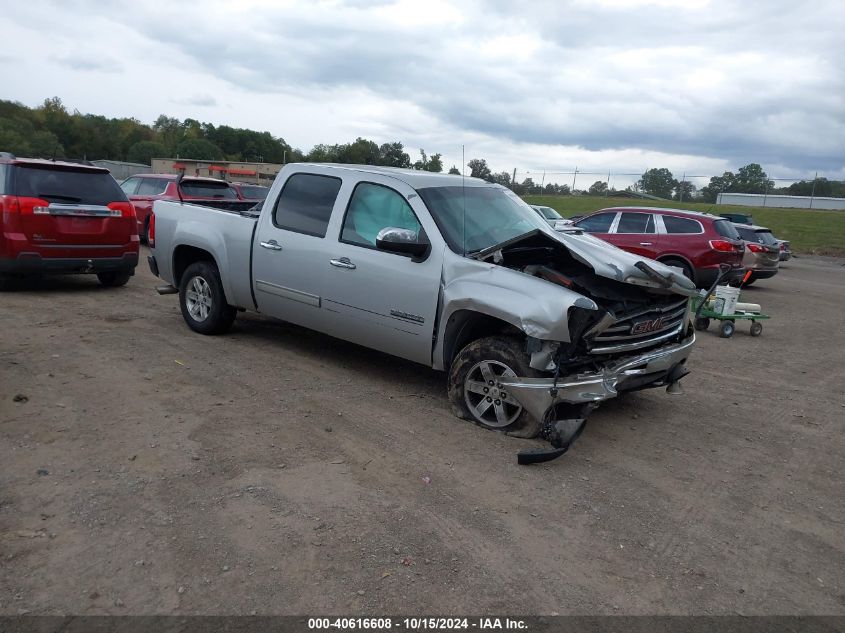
644,327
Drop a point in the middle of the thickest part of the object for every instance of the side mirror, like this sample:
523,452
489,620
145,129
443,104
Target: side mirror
403,241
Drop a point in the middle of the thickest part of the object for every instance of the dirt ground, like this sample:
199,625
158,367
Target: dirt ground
147,469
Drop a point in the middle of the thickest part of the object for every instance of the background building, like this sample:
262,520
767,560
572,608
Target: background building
256,173
121,170
775,200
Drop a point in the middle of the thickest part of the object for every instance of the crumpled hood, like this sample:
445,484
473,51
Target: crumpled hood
609,261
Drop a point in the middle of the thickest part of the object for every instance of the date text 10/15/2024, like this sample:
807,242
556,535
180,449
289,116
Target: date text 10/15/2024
418,624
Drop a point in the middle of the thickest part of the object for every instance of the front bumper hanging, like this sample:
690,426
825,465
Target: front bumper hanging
540,396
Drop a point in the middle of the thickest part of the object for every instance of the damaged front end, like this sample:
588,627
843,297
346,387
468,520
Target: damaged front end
632,330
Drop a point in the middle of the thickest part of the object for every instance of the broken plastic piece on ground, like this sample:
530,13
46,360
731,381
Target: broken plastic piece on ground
539,455
560,433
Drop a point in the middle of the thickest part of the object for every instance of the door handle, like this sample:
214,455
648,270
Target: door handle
645,243
273,245
343,262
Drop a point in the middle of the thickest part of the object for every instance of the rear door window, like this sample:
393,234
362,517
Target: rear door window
636,223
676,225
599,223
305,204
67,186
726,229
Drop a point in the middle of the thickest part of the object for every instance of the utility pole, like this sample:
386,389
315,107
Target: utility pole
681,187
513,180
574,176
607,191
813,192
542,182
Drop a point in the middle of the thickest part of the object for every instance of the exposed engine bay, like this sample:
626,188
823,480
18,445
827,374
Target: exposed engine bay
626,322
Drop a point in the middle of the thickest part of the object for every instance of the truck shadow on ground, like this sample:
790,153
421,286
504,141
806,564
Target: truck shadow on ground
408,379
347,357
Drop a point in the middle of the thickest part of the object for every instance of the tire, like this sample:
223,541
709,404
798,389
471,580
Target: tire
756,328
679,263
472,367
113,278
726,330
202,300
702,323
146,235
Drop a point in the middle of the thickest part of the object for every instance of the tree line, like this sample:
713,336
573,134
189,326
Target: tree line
51,131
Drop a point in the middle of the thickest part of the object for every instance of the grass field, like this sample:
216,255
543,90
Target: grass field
810,231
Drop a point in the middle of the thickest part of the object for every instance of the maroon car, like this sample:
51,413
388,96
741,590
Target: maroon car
697,243
144,189
247,191
64,217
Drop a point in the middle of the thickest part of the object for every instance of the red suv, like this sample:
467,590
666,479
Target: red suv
64,217
144,189
697,243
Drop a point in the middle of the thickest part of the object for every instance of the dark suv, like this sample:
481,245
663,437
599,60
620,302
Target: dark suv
64,217
697,243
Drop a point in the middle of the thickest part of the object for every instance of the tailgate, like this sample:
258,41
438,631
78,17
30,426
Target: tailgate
65,210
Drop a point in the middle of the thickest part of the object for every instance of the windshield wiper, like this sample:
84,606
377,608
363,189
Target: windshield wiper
59,196
484,252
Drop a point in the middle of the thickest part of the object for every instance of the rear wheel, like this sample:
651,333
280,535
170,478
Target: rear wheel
203,301
113,278
726,330
147,231
475,390
679,263
756,328
702,323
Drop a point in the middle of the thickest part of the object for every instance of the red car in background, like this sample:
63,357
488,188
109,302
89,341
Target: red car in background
697,243
64,217
248,191
144,189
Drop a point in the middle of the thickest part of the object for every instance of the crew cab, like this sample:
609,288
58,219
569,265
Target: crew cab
699,244
534,326
64,217
144,189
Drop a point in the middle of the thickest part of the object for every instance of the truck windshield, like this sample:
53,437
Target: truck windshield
474,218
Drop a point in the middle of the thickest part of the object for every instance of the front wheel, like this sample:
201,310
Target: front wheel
476,392
203,301
727,328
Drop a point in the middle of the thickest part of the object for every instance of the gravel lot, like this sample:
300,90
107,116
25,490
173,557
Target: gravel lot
147,469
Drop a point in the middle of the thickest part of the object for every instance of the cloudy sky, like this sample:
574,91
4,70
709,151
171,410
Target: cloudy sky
697,86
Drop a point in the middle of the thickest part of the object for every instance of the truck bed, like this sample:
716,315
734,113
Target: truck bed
226,233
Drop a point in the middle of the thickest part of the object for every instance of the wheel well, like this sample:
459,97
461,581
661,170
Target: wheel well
680,258
184,256
466,326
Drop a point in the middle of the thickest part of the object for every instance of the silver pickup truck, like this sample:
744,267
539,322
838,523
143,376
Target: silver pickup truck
534,326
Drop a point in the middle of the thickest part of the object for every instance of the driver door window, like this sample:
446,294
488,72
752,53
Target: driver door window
373,208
